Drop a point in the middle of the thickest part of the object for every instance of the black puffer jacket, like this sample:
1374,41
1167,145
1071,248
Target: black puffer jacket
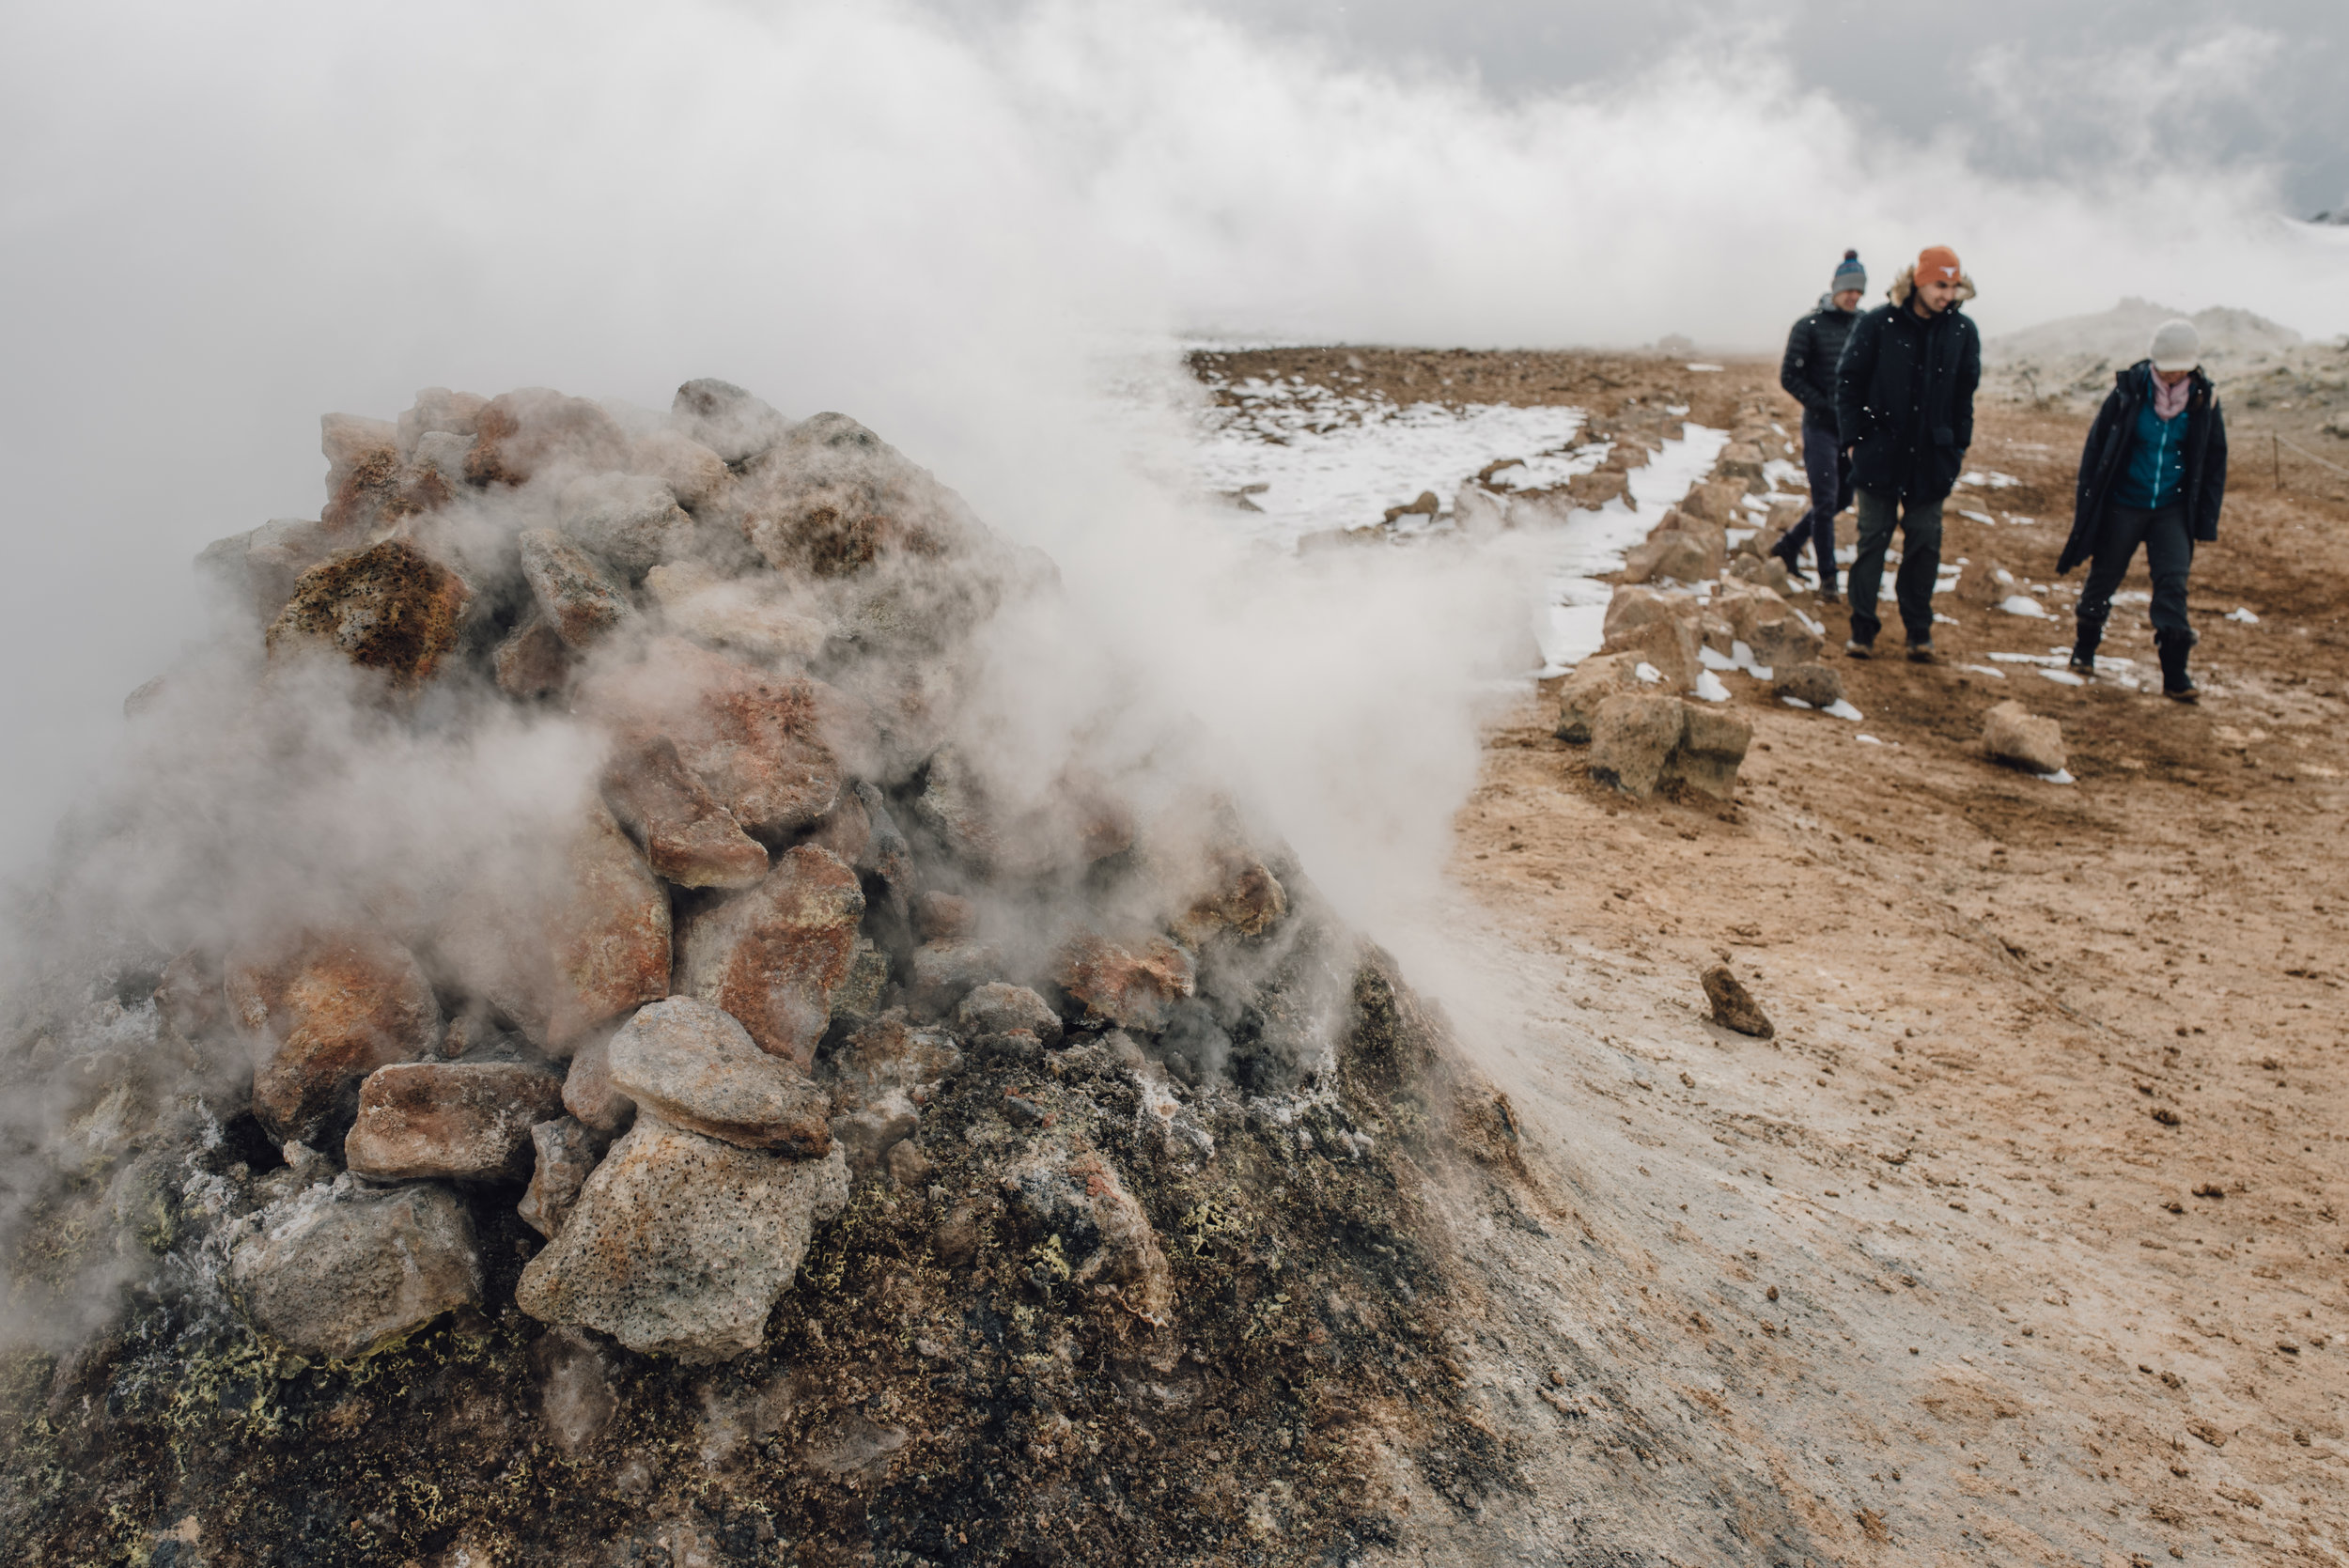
2106,458
1905,395
1812,348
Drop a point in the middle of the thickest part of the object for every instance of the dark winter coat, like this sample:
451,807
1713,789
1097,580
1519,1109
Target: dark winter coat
1808,371
1905,395
2106,458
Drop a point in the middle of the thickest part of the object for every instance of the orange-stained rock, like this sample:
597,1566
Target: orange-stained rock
564,1154
763,745
576,594
696,1067
557,954
533,660
390,607
325,1011
519,434
847,831
589,1093
1245,896
831,498
943,917
610,938
1130,985
470,1121
689,837
773,956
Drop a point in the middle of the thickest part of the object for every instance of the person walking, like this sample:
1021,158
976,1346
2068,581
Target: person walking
1808,374
2153,473
1905,409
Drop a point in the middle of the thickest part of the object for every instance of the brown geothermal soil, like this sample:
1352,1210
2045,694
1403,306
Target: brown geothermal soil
2022,1241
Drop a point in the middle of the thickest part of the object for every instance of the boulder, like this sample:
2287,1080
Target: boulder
943,971
532,661
733,613
689,838
1668,646
630,521
886,1070
763,745
1733,1005
522,434
1132,984
860,997
1820,685
1633,735
773,956
1713,742
363,471
1783,641
577,593
846,830
390,608
1631,607
997,1008
728,420
466,1121
1741,460
260,567
696,475
1604,483
565,1152
589,1093
696,1067
1786,511
831,498
609,935
1986,584
1065,1193
1748,605
437,410
943,917
2012,735
326,1010
1717,502
1241,895
680,1244
343,1271
1588,684
1670,557
1766,571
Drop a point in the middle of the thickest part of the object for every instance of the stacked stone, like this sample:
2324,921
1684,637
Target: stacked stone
766,939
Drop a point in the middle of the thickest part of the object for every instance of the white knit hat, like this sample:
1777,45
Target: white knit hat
2177,345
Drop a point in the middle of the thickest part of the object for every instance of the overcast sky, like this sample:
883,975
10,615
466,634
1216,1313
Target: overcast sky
2030,88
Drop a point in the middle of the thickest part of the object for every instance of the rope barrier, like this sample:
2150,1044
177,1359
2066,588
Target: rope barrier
2321,462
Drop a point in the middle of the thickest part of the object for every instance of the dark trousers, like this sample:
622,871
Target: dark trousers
1921,563
1828,468
2169,552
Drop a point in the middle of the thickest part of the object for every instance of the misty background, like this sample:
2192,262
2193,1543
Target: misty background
948,218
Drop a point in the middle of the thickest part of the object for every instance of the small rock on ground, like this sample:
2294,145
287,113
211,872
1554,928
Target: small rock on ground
1734,1006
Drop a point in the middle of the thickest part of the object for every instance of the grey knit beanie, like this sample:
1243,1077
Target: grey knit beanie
2176,346
1851,274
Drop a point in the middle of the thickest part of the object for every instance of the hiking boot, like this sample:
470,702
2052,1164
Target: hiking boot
1828,596
2084,649
1921,653
2176,684
1855,648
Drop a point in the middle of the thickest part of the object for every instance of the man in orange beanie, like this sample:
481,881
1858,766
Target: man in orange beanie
1904,408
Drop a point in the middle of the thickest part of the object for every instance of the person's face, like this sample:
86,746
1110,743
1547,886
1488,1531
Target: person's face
1848,300
2171,378
1937,294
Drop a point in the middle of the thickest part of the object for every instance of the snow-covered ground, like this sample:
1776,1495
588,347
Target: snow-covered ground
1309,459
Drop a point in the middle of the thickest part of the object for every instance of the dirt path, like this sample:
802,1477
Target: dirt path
2022,1241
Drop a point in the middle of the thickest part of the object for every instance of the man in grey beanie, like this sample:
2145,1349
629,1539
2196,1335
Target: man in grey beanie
1808,374
2153,473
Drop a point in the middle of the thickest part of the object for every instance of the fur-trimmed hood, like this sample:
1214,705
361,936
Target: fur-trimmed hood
1905,283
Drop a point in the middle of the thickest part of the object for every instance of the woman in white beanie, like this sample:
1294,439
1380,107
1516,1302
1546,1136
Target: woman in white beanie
2153,473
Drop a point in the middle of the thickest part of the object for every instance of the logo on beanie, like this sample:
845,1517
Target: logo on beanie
1937,264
